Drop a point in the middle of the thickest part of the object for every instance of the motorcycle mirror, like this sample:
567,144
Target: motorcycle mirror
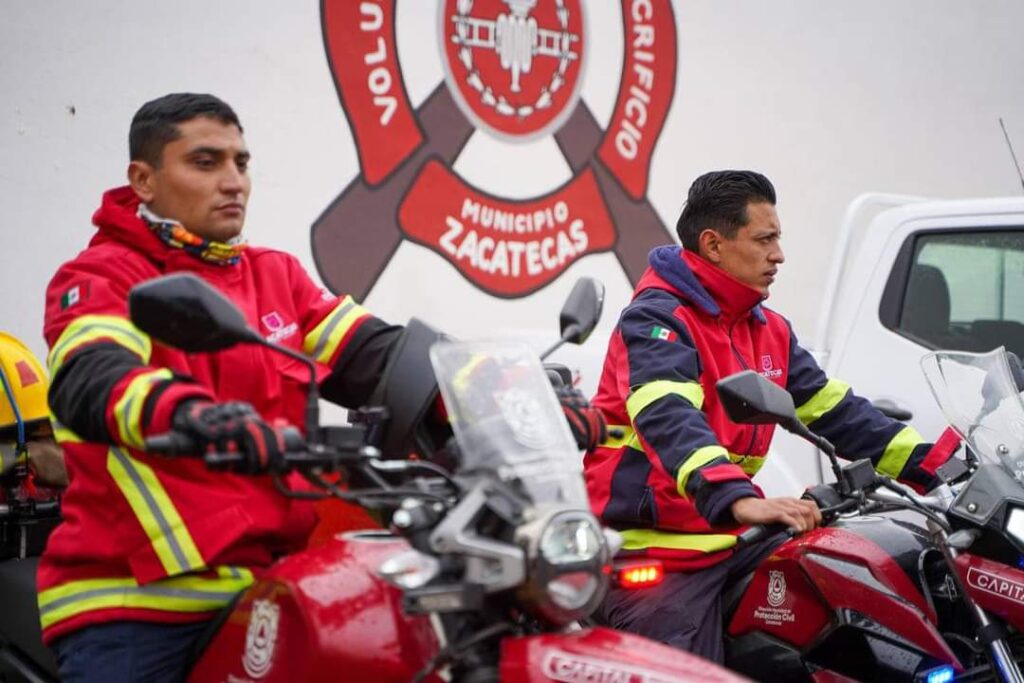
749,398
580,314
582,310
182,311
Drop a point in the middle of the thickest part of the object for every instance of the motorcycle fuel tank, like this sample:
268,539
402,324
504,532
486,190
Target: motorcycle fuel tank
816,588
322,615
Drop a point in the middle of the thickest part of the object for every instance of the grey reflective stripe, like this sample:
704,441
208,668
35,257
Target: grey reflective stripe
219,596
124,416
338,314
179,554
235,574
56,353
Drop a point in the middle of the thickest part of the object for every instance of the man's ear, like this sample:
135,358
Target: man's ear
710,243
140,177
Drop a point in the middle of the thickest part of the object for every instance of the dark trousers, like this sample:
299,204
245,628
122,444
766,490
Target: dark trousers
685,610
127,651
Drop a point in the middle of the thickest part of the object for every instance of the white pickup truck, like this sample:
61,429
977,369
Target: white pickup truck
910,275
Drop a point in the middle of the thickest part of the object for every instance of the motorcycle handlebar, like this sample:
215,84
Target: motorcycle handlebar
172,444
759,532
297,452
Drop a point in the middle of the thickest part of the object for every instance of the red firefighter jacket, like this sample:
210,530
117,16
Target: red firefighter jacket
668,482
158,539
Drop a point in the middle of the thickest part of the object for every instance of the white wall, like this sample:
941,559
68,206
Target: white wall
830,99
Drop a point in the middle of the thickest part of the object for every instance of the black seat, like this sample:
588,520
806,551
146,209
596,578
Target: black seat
926,305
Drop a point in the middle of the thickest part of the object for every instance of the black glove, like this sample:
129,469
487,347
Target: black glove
585,421
232,428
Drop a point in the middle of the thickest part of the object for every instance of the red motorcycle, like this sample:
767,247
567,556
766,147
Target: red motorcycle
869,597
488,565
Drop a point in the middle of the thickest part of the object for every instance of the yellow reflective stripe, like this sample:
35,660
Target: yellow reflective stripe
699,458
178,594
649,393
898,452
62,434
751,464
642,539
626,437
156,513
323,341
128,409
89,328
827,398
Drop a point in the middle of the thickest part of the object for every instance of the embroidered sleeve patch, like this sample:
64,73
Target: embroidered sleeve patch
663,333
74,295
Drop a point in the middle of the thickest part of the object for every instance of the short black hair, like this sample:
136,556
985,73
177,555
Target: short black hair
156,122
718,201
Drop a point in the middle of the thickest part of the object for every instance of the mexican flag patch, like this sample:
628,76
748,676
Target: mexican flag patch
74,295
659,332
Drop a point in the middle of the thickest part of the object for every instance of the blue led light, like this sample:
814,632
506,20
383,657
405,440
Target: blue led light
1020,562
943,674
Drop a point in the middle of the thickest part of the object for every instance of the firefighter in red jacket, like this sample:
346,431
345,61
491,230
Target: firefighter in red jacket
675,478
151,548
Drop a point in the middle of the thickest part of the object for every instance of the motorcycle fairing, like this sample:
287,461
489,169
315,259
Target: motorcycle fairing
335,619
601,654
844,581
995,586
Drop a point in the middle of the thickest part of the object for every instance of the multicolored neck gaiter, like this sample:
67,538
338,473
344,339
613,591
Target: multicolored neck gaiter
174,234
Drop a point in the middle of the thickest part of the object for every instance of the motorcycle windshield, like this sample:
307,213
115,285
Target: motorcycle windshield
507,419
979,397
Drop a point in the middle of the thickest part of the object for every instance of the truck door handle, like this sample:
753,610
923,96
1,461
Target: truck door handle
890,408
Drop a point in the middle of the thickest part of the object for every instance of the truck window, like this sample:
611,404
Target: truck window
963,290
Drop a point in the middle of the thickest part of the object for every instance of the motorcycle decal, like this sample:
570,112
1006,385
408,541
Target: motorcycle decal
571,668
775,614
513,69
260,638
996,585
776,588
530,423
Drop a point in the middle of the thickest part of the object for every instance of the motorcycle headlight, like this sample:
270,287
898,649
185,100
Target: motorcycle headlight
568,557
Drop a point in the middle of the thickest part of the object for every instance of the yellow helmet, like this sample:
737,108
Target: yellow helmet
23,385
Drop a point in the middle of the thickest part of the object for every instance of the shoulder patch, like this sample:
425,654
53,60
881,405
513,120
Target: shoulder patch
663,333
74,294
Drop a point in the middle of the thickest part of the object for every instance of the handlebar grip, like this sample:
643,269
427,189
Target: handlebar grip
172,443
759,532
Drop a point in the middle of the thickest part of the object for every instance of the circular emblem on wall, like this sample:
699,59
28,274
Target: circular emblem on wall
513,66
514,69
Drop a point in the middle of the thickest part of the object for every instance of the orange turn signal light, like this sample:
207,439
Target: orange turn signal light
639,574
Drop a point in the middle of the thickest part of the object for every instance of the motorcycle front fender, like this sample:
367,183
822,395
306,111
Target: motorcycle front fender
601,654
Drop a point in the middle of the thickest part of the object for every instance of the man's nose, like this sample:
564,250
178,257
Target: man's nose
777,256
232,180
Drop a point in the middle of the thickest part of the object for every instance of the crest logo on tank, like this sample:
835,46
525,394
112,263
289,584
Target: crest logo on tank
513,70
260,638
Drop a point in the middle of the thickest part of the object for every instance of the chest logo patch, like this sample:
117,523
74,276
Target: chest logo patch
768,368
277,327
